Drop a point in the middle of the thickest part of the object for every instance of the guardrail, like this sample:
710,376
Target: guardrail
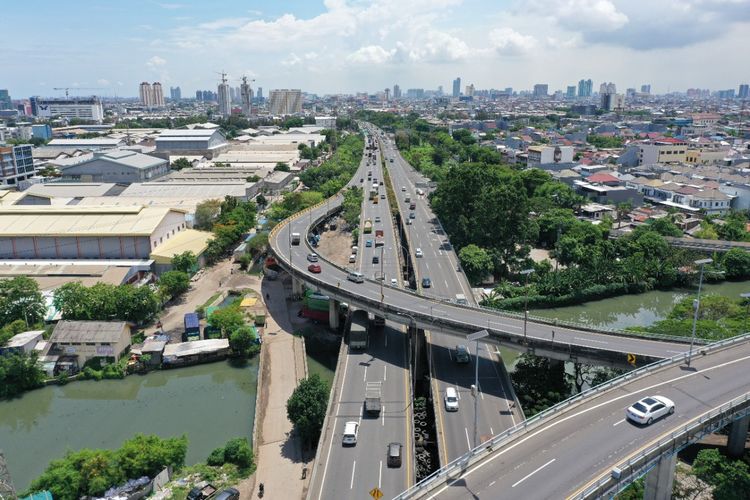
485,449
634,467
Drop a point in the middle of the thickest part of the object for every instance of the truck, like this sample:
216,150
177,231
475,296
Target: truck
367,227
372,398
295,238
192,327
358,338
202,491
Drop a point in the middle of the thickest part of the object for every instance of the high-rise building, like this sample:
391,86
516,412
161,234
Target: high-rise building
84,108
158,95
246,95
440,90
457,87
232,95
285,101
147,98
16,164
396,91
260,95
387,94
725,94
198,95
585,88
541,90
570,92
744,92
646,88
610,100
5,100
630,93
225,98
469,92
175,93
607,88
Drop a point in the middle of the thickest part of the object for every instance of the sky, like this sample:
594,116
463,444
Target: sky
347,46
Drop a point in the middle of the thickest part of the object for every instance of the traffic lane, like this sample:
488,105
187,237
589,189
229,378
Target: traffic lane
570,450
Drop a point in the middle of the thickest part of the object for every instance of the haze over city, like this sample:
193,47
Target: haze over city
340,46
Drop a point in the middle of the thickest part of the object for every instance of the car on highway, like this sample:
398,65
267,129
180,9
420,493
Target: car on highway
312,257
418,252
412,215
375,259
377,218
394,454
361,179
649,409
351,429
408,222
356,277
382,197
394,282
462,354
314,268
403,189
451,399
426,282
368,243
352,259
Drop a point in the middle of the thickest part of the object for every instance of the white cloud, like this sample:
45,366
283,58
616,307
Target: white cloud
595,15
103,82
155,62
371,54
507,41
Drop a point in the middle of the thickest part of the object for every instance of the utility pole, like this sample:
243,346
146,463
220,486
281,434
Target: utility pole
526,272
475,388
697,305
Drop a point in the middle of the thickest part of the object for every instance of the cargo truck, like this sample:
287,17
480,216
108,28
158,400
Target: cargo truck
367,228
372,398
295,238
358,338
192,327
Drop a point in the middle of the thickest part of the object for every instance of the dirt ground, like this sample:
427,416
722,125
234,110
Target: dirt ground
336,245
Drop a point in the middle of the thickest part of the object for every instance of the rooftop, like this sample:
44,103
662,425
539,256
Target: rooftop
187,240
88,331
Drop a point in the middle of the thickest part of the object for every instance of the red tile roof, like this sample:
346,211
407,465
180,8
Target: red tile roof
602,178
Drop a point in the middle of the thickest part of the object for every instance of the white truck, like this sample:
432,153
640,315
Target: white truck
372,398
295,237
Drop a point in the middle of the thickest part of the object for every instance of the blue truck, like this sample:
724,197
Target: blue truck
192,327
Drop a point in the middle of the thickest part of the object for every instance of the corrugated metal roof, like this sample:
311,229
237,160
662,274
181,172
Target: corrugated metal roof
189,239
30,220
88,331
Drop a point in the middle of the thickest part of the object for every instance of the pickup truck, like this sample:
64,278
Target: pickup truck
372,398
202,491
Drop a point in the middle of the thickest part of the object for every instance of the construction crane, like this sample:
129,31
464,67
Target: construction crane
66,89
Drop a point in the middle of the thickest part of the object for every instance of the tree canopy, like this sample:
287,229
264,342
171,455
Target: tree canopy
104,302
306,407
20,298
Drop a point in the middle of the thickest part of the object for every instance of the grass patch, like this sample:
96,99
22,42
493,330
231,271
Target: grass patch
211,300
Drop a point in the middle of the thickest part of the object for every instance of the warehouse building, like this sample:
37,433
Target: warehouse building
118,166
205,142
73,232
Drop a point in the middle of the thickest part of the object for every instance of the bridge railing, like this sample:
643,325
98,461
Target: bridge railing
456,467
636,465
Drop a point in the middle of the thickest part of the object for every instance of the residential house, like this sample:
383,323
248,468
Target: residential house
86,340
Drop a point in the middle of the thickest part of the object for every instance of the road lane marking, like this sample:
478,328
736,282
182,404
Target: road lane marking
468,443
384,377
458,393
528,476
382,415
380,475
618,423
365,376
589,340
546,428
491,431
354,467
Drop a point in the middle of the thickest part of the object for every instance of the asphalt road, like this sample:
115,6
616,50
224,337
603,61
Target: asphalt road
440,263
566,454
351,472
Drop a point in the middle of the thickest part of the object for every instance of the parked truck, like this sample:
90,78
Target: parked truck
372,398
192,327
358,338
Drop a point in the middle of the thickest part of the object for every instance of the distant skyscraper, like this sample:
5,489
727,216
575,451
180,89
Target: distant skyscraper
157,95
387,94
457,87
440,90
541,90
396,92
585,88
469,90
744,92
646,88
260,95
225,102
246,95
5,101
630,93
285,101
147,98
609,98
570,93
175,93
232,95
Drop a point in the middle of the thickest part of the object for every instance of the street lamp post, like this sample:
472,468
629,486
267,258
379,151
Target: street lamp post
746,296
475,388
526,272
697,305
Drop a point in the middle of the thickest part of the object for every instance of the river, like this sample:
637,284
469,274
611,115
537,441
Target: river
209,403
636,310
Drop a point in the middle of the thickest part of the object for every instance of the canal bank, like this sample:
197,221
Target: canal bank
210,403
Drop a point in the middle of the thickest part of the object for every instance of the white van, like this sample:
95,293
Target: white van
350,433
451,399
352,259
355,249
356,277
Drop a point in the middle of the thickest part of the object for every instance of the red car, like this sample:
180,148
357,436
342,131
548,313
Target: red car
313,268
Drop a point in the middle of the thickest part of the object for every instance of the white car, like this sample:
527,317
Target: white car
649,409
351,429
394,282
403,189
312,257
418,252
451,399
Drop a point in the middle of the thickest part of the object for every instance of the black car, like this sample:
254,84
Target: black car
375,259
426,283
228,494
394,454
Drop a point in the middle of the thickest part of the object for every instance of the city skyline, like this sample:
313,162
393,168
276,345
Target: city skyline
340,46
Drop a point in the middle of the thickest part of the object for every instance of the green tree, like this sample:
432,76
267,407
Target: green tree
306,407
253,178
736,263
261,200
236,451
206,213
19,372
241,340
20,298
733,228
227,320
281,167
185,262
174,283
147,455
539,383
730,478
476,262
181,163
665,227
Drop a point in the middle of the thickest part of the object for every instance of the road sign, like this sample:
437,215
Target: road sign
631,359
376,493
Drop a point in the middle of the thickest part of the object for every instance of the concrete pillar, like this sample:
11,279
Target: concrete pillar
737,437
333,314
659,480
297,287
